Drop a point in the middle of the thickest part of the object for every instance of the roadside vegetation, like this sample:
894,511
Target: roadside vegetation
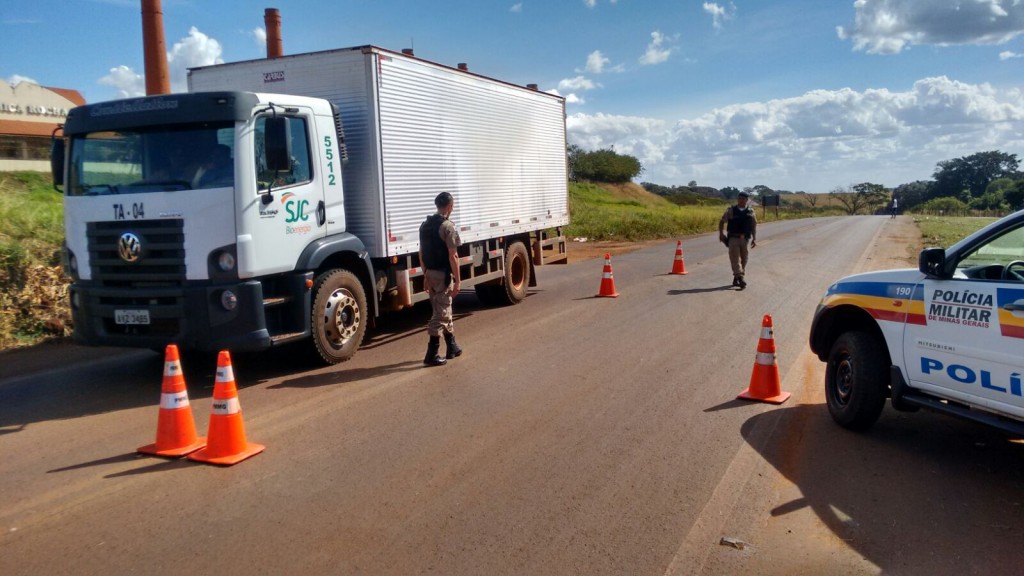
944,231
33,290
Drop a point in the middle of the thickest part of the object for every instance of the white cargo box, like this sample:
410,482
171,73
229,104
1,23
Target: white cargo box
414,128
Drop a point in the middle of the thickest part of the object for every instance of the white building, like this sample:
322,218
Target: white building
28,115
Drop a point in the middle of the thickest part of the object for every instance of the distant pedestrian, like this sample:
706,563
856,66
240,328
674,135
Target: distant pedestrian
895,207
439,243
737,227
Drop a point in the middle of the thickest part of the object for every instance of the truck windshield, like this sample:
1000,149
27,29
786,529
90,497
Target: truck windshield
152,159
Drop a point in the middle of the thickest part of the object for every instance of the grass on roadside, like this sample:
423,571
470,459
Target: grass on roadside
944,231
633,214
33,290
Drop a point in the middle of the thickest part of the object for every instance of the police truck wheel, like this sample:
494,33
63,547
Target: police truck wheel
856,380
517,272
339,315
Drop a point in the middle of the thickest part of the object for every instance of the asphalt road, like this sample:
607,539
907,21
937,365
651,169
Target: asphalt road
576,435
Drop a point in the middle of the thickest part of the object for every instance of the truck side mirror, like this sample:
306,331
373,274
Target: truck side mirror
57,162
278,144
932,262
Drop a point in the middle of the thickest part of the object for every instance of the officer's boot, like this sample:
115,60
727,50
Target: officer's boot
453,349
433,347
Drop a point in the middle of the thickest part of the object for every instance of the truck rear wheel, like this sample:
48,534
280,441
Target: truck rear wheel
517,273
339,315
856,380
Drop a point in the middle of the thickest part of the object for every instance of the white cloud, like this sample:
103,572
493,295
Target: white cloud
656,54
596,62
577,83
128,82
571,98
260,36
889,26
1007,55
590,3
16,79
196,49
819,140
719,13
516,8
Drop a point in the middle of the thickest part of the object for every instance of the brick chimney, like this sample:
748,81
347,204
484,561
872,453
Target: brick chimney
154,48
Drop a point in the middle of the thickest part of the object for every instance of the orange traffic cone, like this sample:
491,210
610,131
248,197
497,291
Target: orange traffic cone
679,266
607,280
764,381
175,428
227,444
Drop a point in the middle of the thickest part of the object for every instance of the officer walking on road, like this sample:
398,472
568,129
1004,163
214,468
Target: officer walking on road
439,243
738,226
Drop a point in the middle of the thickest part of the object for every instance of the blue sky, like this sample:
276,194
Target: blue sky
808,95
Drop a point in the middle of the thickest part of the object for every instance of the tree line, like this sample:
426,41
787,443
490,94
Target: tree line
986,181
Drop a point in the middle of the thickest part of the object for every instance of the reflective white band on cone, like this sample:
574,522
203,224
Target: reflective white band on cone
225,374
226,406
172,400
172,369
766,333
765,358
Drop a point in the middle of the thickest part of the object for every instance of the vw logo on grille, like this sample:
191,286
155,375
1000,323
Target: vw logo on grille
129,247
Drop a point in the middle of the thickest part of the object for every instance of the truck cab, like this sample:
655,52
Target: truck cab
175,205
948,336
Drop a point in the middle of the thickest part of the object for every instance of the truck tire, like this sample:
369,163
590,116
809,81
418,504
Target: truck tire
856,379
517,273
339,315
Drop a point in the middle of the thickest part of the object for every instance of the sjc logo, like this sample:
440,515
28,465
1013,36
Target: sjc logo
296,209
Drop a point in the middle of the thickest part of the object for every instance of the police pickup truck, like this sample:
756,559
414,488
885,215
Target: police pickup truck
948,336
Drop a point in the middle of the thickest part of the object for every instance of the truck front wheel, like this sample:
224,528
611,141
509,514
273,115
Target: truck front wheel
339,315
856,380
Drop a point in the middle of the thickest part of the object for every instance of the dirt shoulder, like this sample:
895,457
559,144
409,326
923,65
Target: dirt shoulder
579,251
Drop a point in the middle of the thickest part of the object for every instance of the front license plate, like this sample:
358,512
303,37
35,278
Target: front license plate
131,317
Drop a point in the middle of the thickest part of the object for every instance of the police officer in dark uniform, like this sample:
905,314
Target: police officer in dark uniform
737,227
439,243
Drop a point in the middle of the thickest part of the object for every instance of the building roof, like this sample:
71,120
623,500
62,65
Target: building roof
67,93
23,128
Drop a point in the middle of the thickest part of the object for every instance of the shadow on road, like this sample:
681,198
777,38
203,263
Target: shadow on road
700,290
108,382
919,493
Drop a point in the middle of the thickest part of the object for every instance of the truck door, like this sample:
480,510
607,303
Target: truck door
971,344
285,213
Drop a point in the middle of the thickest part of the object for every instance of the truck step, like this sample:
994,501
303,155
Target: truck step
276,301
277,339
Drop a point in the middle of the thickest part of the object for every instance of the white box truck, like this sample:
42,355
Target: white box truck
281,199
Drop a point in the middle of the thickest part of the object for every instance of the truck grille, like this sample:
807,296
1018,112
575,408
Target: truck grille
161,259
155,281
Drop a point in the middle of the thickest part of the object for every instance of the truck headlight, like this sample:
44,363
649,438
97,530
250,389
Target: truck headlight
228,300
226,261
